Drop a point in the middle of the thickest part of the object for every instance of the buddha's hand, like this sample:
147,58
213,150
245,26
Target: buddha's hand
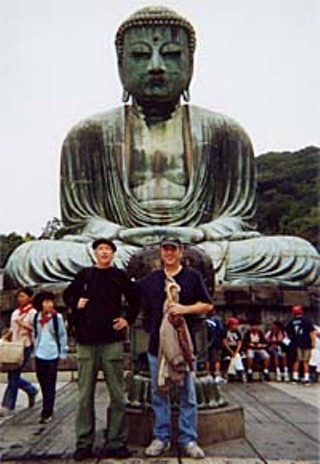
245,235
153,235
230,229
96,227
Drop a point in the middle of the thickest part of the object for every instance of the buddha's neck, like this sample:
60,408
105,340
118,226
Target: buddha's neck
154,113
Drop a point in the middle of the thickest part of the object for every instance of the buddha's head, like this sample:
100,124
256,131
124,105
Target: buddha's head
155,48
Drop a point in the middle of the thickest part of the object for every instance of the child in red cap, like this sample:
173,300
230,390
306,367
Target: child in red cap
232,346
301,331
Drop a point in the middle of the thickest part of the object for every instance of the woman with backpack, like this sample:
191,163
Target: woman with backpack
50,345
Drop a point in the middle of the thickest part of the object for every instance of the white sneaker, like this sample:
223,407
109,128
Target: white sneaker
193,450
220,380
157,447
306,382
286,377
278,377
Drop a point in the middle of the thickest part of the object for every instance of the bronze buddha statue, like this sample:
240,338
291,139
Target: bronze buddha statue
159,166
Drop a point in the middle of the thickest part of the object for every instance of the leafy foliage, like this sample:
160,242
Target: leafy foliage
288,193
53,230
9,242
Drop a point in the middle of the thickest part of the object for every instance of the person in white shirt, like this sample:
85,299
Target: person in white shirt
21,329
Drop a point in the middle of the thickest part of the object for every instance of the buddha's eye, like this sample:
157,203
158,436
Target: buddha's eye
171,49
140,54
140,51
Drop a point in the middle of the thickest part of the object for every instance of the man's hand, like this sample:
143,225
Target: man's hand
120,323
176,308
198,308
82,303
24,325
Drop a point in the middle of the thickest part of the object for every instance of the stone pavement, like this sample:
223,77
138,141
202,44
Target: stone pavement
281,421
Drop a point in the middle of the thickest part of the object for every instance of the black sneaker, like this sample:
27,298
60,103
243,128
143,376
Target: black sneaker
81,454
121,453
32,399
266,376
249,377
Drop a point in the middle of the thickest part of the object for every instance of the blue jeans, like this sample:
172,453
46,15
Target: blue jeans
162,408
15,381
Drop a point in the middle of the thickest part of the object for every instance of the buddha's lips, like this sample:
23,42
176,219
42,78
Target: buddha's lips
156,81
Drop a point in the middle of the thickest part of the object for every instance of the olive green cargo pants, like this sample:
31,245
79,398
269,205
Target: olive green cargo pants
109,359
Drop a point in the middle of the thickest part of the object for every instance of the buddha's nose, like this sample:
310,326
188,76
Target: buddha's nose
156,64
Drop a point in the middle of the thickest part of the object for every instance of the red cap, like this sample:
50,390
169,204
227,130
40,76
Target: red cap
297,310
232,321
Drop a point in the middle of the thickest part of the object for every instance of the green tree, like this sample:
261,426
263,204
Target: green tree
9,242
288,193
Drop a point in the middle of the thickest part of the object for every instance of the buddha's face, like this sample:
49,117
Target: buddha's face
156,65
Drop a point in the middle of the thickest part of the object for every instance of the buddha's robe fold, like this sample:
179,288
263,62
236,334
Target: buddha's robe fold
94,176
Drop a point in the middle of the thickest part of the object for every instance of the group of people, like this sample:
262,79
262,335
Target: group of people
40,329
104,303
287,348
100,322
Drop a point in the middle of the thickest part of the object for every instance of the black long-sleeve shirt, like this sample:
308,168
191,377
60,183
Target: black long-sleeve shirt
106,290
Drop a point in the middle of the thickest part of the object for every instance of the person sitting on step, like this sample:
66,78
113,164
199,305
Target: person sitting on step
255,345
232,344
277,339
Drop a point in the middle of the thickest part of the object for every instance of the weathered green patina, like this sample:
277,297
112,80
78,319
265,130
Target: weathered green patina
159,166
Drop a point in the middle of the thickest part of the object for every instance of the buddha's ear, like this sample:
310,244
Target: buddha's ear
186,92
186,95
125,92
125,95
121,70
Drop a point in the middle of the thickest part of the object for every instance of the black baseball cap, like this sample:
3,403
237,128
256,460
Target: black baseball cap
171,241
104,241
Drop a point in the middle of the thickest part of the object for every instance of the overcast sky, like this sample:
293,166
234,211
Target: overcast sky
256,60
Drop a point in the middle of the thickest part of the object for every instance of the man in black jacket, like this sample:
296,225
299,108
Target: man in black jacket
95,297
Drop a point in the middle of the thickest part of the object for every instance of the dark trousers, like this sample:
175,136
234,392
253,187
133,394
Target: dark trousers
46,371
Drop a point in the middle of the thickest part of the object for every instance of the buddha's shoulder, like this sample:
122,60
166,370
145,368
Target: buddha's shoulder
214,119
98,122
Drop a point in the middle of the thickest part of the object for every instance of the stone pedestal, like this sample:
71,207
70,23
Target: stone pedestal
214,425
217,420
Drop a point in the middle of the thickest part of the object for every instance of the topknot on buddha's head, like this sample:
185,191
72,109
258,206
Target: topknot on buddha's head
155,16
